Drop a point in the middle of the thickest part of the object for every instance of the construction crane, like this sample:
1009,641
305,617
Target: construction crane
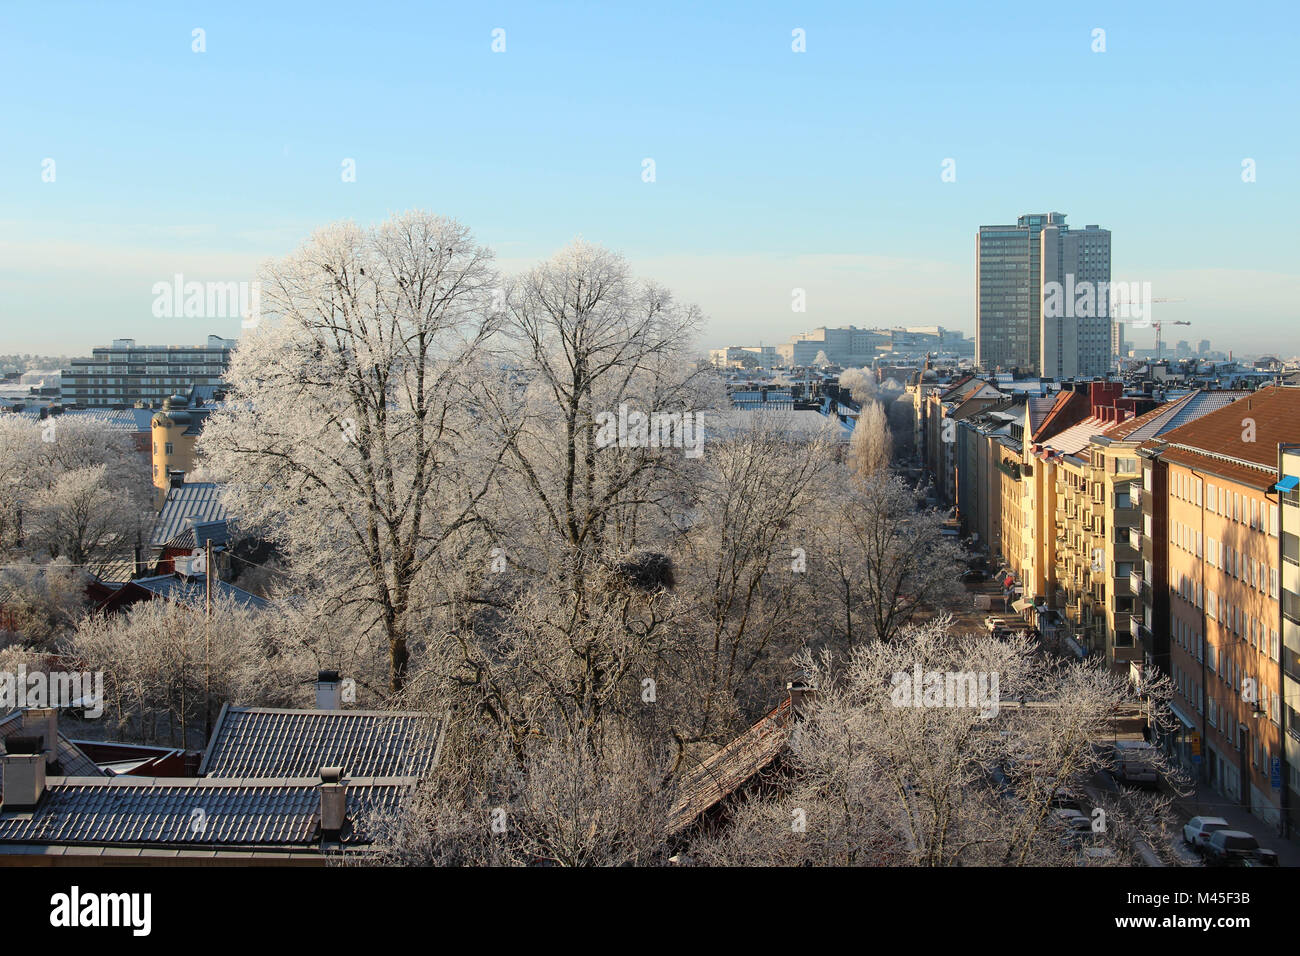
1157,325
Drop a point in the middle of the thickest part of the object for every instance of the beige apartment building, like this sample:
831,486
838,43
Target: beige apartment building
1222,536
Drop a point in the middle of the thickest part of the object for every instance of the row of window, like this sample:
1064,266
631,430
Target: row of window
1233,505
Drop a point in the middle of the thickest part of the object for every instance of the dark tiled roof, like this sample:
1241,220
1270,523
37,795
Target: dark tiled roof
260,742
726,771
160,812
72,760
197,499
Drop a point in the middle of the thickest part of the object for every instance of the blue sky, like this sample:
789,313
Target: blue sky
774,169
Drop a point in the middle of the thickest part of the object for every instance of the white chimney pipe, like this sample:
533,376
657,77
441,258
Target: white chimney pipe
333,802
24,774
329,691
43,722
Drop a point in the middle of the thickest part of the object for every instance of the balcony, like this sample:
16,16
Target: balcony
1135,538
1135,581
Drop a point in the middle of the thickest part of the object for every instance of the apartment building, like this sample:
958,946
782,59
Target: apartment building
1069,524
124,373
1131,511
1217,478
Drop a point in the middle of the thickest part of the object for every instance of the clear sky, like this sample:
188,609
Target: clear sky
773,169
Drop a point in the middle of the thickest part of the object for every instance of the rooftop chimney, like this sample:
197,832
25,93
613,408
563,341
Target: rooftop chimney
329,691
802,694
24,773
42,723
333,802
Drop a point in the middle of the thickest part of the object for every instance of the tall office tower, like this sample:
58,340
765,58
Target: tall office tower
1041,263
1118,347
1076,324
1007,276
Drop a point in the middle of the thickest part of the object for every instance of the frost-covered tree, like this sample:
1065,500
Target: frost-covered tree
35,459
82,518
746,561
871,446
168,666
885,561
918,753
42,602
861,384
351,435
590,798
564,595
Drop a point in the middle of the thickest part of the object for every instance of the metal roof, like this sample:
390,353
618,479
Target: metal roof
135,420
1179,412
193,499
192,812
263,742
193,591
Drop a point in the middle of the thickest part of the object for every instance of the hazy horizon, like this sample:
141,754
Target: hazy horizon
774,169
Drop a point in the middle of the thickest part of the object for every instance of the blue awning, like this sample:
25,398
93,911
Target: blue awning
1288,483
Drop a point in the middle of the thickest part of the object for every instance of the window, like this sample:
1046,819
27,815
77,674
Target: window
168,448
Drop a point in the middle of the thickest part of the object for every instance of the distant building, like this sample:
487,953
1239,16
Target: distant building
1042,298
851,347
745,356
125,373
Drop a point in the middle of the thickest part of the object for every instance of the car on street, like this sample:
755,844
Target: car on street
1136,763
1233,848
1198,830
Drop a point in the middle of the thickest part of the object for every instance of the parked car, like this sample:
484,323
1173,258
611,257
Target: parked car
1226,847
1065,799
1197,830
1136,763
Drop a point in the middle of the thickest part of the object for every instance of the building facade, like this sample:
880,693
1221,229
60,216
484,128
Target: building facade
125,373
1220,479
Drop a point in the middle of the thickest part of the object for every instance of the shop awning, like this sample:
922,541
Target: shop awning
1182,717
1288,483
